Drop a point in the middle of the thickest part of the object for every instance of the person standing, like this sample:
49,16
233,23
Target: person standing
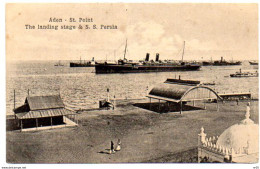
118,147
112,150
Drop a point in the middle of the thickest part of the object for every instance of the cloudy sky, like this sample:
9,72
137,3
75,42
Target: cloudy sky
209,30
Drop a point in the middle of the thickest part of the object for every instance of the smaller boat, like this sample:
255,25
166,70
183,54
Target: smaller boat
253,62
244,74
209,83
59,64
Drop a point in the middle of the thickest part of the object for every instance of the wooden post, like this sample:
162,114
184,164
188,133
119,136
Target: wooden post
150,105
193,103
108,96
217,105
159,105
14,99
51,122
36,123
21,125
65,120
75,116
181,108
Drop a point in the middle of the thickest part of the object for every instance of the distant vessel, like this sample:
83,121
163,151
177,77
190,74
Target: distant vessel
191,82
59,64
84,64
125,66
209,83
244,74
221,62
253,63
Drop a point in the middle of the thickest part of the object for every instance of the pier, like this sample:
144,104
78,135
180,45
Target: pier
236,96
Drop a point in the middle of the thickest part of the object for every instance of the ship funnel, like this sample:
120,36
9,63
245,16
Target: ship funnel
157,57
93,59
221,59
147,57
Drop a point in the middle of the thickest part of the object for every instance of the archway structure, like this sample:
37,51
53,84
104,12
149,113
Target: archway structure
181,91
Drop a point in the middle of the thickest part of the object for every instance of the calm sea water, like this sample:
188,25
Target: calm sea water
82,88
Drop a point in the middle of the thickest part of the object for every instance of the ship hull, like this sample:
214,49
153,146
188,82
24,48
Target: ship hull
81,65
244,75
221,64
102,68
253,63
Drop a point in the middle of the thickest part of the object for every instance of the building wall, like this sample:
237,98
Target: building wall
209,156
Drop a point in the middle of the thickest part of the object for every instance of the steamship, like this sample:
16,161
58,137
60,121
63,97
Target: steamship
125,66
253,62
244,74
221,62
83,64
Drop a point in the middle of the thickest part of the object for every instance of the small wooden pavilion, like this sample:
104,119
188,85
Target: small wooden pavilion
43,111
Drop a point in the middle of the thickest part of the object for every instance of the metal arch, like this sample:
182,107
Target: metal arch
200,87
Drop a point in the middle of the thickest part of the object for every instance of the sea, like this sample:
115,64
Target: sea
81,88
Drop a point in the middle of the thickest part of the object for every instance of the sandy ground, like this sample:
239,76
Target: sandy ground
146,136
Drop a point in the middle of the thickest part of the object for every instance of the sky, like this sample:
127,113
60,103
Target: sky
209,31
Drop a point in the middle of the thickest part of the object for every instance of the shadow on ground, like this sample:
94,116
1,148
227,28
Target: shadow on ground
166,107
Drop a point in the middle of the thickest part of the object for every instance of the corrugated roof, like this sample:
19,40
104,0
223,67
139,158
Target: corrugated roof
44,102
44,113
177,92
172,91
21,109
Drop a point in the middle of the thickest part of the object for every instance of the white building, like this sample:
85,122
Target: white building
237,144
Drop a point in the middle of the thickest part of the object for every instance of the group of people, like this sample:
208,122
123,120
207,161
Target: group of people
117,148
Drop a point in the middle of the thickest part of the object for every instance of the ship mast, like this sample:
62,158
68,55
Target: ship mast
183,51
125,49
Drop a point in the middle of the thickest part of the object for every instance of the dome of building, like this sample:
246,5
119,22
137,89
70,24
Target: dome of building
242,136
